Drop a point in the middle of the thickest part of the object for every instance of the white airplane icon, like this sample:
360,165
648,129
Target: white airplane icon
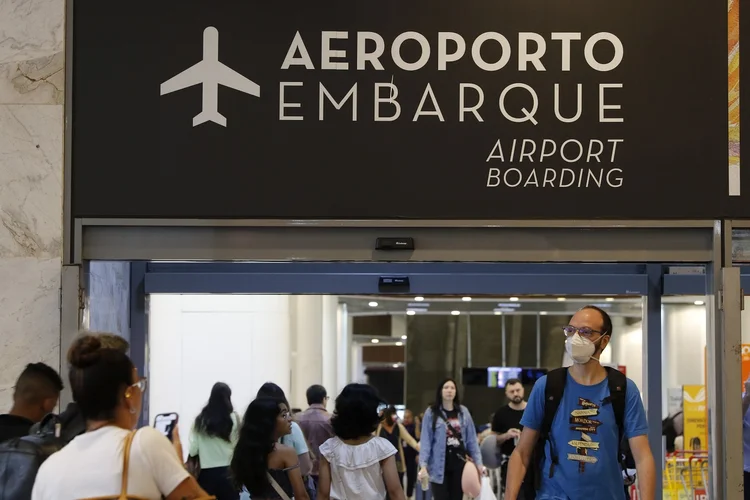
210,73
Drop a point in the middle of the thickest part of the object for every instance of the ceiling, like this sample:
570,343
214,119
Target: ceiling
498,305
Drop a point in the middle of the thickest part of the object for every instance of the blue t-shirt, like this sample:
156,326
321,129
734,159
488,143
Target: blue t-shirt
586,439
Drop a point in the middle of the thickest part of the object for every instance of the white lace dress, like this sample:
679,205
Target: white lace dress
355,470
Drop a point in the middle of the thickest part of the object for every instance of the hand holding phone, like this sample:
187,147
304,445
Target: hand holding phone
166,424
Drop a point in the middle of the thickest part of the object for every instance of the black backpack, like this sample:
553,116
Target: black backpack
553,394
20,459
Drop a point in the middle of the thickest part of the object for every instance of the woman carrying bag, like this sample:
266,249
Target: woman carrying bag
110,460
450,455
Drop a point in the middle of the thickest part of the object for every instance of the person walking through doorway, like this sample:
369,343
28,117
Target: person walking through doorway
506,425
449,438
582,443
316,424
212,441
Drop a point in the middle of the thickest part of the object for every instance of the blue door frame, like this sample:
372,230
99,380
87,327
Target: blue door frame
350,278
425,278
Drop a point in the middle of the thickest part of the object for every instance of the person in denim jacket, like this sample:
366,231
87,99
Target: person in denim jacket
449,438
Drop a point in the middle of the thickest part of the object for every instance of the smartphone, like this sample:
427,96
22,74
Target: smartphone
166,422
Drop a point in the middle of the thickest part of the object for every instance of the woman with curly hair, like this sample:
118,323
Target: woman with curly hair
355,464
267,469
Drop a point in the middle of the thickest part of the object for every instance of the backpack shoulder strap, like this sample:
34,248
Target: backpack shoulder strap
618,384
553,393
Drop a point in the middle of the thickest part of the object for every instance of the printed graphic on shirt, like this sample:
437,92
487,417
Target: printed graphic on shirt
454,432
582,423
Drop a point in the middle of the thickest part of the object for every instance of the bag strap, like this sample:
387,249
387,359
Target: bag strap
618,384
455,431
553,394
126,464
279,490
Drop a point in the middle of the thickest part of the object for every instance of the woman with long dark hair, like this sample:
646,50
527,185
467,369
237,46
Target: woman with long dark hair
266,468
212,443
355,465
295,439
449,439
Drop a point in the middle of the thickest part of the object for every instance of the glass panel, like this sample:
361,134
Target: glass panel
521,340
552,340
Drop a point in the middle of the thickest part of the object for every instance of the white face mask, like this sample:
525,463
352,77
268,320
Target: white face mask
580,349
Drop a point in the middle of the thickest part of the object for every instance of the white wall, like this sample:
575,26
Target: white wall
314,353
242,340
198,340
627,350
684,336
344,358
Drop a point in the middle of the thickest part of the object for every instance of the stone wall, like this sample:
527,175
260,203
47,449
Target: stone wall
31,171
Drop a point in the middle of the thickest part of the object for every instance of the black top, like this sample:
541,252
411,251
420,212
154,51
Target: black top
507,418
393,437
281,476
410,453
12,426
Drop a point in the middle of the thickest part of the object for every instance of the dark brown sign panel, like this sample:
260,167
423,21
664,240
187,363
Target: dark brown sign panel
423,109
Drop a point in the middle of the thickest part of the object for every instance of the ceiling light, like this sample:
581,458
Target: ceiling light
411,313
542,313
419,299
561,299
498,313
399,344
466,299
373,304
698,302
395,365
375,341
455,313
514,299
403,337
610,299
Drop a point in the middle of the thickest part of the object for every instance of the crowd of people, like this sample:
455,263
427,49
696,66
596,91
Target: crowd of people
569,441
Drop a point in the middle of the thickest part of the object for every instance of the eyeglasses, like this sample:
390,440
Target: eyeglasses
583,331
286,415
141,384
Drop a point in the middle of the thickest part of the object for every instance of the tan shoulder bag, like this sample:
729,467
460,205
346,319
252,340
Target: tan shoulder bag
125,466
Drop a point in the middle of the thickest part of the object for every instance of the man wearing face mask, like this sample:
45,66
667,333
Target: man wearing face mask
581,449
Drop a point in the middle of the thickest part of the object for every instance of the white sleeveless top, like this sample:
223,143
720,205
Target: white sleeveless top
355,470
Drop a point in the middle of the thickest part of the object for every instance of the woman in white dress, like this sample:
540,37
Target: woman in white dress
355,465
